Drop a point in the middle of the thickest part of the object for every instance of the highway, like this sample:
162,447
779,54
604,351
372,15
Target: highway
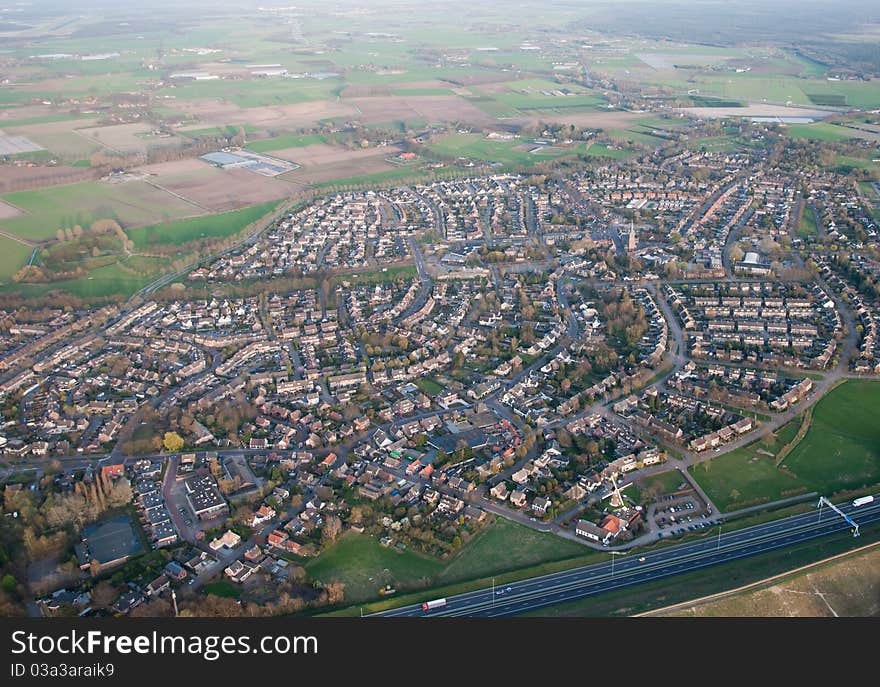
624,570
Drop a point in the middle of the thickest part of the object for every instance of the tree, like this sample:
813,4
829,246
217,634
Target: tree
335,592
563,437
118,493
736,253
173,442
8,584
104,594
332,528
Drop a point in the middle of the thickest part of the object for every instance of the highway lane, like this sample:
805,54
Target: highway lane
522,603
634,568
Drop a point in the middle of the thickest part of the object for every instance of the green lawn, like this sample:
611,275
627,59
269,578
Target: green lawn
429,386
223,588
182,231
868,189
364,565
661,483
807,225
840,451
506,546
842,448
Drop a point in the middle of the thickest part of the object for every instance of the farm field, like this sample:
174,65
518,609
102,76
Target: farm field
384,177
432,109
211,113
754,110
61,137
126,138
224,224
131,203
316,155
212,189
841,450
281,142
216,130
778,88
634,135
250,93
323,164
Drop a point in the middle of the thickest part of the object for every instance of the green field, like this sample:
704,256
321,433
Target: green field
746,477
819,131
223,588
716,144
258,92
405,174
49,209
361,563
807,226
230,130
176,233
13,256
846,163
506,546
125,275
602,150
364,565
840,451
661,483
104,281
421,91
477,146
429,386
634,135
774,88
279,142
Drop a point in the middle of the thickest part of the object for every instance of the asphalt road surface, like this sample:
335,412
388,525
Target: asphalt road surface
632,568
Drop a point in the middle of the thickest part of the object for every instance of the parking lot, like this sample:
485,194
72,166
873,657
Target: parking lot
680,513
